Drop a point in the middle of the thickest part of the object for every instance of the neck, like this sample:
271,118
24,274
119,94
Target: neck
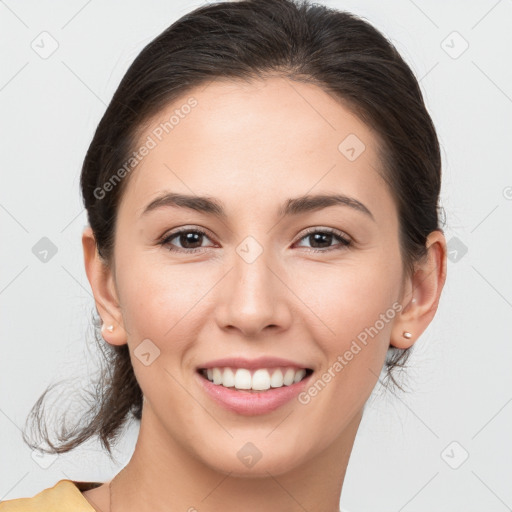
162,472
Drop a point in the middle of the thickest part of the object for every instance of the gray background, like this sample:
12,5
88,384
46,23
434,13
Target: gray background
410,453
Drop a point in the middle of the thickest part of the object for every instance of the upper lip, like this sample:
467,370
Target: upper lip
260,362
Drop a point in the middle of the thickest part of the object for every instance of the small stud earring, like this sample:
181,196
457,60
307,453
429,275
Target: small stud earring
109,328
407,334
414,299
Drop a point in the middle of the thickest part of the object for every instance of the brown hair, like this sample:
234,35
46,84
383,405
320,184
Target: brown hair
243,40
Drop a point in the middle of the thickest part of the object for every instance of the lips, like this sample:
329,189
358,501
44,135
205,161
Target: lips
260,362
250,402
244,386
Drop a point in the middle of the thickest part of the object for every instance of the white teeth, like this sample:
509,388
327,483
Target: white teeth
259,380
288,376
228,378
217,376
242,379
276,381
299,375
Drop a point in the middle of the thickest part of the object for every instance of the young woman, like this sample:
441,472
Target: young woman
262,194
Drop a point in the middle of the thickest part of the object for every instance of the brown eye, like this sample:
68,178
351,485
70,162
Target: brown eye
190,240
323,238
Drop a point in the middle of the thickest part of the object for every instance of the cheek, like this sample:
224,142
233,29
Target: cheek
354,305
349,296
356,316
162,301
162,308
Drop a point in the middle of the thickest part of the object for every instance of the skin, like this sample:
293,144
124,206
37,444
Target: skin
253,146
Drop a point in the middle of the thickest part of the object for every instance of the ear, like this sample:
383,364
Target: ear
102,283
425,288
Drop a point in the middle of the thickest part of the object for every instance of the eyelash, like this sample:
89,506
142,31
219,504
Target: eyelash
344,242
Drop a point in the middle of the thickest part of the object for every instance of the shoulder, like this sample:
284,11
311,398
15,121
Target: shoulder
64,496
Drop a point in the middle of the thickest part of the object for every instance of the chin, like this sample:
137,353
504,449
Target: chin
247,461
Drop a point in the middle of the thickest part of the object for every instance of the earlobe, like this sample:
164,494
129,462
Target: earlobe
426,284
404,340
101,280
112,334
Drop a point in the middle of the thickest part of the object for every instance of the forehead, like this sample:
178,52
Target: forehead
263,139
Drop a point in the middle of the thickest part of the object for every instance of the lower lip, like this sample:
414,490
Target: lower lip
251,403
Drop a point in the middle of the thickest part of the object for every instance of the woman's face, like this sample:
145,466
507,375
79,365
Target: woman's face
259,282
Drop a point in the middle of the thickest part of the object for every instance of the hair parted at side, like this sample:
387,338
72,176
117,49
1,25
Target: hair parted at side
245,40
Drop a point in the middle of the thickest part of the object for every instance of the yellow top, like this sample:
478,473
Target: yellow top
64,496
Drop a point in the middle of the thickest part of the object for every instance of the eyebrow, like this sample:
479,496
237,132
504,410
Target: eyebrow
294,206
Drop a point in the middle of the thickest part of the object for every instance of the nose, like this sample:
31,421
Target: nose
255,298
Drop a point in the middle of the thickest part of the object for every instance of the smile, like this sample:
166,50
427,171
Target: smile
260,379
